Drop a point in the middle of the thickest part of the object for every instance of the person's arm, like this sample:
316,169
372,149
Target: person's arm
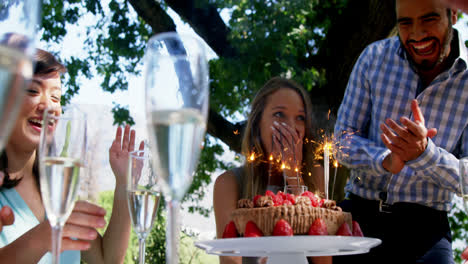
411,142
225,196
112,246
355,150
81,225
33,242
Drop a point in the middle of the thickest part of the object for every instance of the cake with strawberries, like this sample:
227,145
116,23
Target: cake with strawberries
287,214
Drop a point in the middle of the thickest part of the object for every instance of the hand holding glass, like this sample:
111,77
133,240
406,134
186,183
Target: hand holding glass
176,105
61,155
142,196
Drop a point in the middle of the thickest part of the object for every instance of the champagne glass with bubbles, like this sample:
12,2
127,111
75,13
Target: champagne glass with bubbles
463,176
142,196
19,21
176,82
62,152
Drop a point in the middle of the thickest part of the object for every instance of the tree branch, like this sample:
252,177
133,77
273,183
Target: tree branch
204,18
154,15
229,133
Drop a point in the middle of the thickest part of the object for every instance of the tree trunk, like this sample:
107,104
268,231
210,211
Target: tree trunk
361,23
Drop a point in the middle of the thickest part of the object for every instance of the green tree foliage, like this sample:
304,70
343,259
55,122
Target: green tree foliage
274,38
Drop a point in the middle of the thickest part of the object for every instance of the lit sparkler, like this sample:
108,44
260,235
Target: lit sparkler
335,164
327,147
252,156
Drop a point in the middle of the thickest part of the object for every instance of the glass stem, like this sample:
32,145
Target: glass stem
56,243
172,232
142,250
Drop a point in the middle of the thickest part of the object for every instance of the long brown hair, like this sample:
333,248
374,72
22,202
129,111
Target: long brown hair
45,63
255,176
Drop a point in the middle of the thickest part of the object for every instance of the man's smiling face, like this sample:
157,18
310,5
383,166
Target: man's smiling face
425,31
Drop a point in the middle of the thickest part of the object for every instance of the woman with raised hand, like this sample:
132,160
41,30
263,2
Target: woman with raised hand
28,240
279,123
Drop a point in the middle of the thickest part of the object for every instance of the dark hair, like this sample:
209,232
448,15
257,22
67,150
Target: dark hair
45,63
255,173
10,183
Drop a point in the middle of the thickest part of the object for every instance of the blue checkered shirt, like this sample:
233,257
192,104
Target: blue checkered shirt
382,85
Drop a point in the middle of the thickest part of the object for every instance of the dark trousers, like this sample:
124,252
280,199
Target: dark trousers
410,233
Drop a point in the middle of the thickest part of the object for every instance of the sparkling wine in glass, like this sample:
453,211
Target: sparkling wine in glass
61,156
464,181
19,21
142,196
176,84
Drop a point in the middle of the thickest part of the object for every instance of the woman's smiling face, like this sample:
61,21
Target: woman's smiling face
44,92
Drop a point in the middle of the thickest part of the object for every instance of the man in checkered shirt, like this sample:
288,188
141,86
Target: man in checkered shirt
402,128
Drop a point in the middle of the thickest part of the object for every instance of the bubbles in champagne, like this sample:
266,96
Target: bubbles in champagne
59,185
177,137
143,207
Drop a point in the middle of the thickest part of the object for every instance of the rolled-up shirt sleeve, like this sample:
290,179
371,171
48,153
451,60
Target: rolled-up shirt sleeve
440,165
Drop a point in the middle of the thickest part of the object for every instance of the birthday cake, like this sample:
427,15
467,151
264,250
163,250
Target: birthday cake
271,214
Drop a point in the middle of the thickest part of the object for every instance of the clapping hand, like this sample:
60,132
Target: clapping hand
406,141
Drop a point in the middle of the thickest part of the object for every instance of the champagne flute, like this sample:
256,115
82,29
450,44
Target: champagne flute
18,25
142,196
295,189
463,176
62,152
176,82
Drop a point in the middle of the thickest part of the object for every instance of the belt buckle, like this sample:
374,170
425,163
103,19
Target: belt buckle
384,207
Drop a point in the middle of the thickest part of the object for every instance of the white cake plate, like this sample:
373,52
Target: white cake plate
293,249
